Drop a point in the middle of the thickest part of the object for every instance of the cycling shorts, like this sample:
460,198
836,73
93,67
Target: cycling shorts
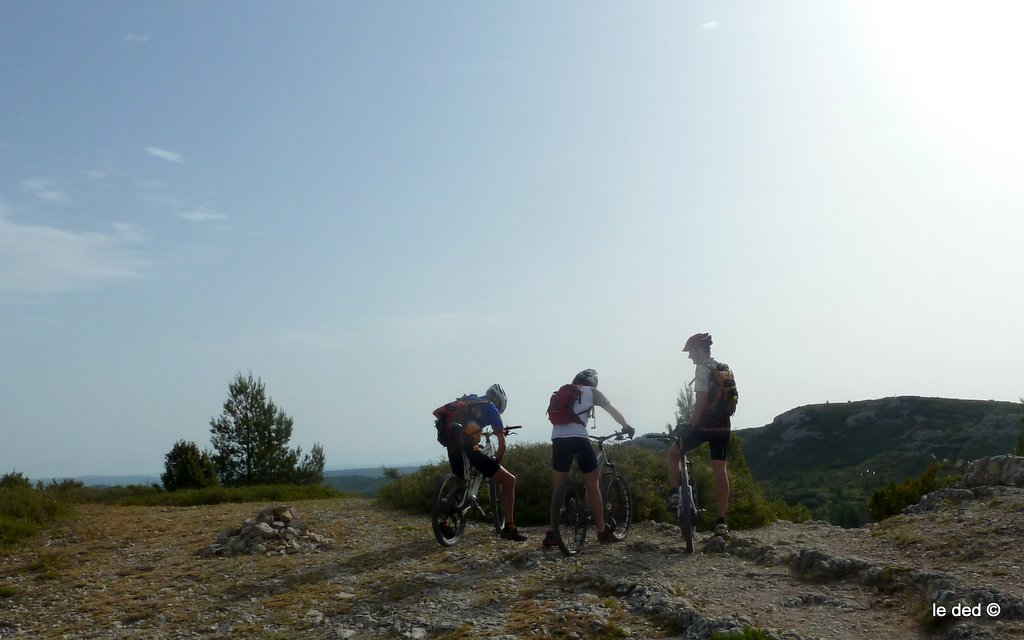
714,431
564,450
485,464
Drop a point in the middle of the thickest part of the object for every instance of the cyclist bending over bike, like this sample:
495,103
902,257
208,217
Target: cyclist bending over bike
569,441
473,413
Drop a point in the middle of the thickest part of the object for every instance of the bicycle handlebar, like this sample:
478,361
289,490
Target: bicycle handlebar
667,438
618,435
508,429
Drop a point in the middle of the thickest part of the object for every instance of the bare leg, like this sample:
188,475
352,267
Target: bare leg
594,496
508,494
721,486
673,467
557,478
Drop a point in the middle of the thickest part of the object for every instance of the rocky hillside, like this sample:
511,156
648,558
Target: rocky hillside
833,452
119,572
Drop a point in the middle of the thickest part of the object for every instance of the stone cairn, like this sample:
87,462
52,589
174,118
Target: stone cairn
274,531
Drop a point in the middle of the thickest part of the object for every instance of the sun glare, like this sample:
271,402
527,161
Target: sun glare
957,65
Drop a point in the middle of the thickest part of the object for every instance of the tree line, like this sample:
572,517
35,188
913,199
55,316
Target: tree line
250,446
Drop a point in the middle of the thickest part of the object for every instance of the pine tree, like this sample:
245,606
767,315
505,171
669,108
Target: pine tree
685,403
251,437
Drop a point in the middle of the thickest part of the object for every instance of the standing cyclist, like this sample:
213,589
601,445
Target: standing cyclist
473,413
569,441
703,427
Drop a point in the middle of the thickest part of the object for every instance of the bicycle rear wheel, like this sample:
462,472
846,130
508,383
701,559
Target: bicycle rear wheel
569,516
498,515
447,520
618,504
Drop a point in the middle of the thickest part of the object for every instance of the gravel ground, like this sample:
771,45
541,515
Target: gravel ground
128,572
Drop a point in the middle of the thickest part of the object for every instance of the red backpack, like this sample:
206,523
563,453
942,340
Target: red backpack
457,411
562,404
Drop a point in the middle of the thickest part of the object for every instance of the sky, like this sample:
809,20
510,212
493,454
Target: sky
375,207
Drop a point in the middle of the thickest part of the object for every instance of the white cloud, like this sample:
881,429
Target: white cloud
136,38
201,214
41,260
43,189
95,174
707,26
164,154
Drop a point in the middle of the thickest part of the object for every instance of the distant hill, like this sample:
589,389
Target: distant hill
831,457
364,482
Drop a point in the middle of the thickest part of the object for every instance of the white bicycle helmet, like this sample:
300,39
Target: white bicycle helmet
587,378
497,396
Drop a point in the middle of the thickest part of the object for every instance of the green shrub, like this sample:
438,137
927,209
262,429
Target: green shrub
14,529
25,510
186,467
793,513
14,480
892,499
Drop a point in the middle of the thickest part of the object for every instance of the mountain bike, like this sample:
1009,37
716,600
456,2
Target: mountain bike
686,507
455,497
570,508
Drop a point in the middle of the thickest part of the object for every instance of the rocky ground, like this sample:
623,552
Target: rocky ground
120,572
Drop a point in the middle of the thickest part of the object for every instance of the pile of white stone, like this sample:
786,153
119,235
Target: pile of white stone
275,530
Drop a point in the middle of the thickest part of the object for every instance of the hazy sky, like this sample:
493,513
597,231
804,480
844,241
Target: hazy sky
377,206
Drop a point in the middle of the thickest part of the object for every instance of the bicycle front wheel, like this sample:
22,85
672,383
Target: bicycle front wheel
497,513
618,504
687,516
447,520
569,516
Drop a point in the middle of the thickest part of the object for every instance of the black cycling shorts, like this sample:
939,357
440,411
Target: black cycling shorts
485,464
564,450
714,431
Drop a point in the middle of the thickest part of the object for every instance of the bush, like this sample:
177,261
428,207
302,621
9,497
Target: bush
894,498
186,467
25,510
14,480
